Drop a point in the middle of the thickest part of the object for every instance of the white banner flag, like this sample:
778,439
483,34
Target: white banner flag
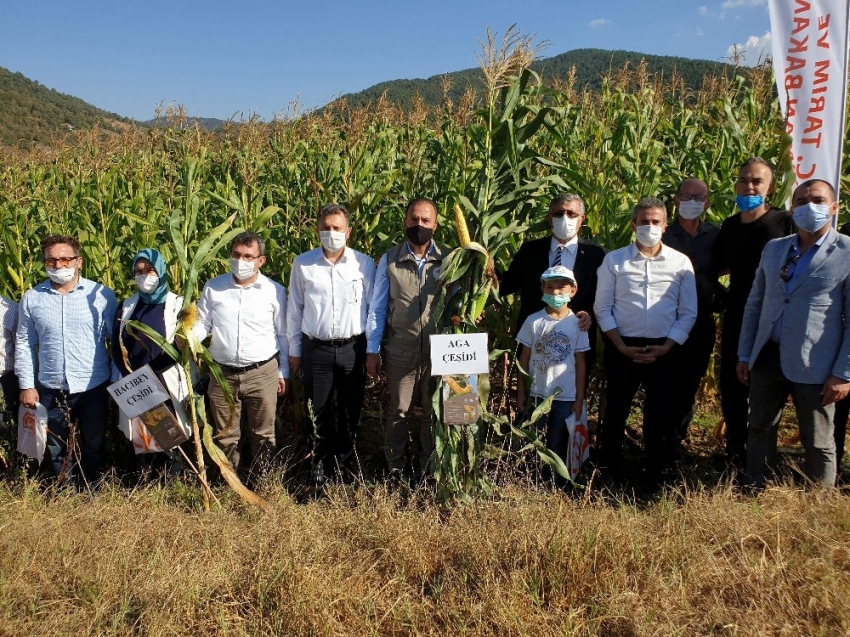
809,41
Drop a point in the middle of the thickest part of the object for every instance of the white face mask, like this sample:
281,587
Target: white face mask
564,228
241,269
691,209
332,241
649,236
147,283
61,276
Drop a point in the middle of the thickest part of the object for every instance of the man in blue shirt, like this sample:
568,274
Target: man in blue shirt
68,319
406,284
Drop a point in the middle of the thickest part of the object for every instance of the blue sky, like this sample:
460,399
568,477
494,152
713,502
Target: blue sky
223,59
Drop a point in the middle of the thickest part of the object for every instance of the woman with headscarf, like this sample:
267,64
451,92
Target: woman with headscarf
157,307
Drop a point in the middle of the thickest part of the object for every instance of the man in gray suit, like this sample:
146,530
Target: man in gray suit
795,338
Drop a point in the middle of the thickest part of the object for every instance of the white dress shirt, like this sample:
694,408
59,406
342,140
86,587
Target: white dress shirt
646,297
248,323
568,254
327,300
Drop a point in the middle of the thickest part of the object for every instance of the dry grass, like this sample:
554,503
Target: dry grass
363,563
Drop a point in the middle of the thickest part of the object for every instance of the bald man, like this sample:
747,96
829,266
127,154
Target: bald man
694,237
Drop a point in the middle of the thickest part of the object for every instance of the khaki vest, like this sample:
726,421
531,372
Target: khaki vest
409,319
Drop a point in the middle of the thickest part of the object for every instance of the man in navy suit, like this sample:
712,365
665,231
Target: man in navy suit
563,247
795,338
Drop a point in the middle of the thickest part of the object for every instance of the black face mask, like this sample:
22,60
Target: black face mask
419,235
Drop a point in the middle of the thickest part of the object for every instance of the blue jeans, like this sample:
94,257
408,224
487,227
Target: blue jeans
88,411
556,436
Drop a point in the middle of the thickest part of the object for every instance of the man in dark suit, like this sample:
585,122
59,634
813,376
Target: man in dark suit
563,247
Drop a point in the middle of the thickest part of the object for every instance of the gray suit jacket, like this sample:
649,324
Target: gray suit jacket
815,337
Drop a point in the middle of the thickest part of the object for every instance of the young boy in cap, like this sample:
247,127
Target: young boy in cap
552,353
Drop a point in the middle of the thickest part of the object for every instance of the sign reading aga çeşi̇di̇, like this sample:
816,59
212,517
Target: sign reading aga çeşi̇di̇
459,358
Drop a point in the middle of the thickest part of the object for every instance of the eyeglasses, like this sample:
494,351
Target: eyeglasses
62,262
784,273
686,197
244,257
572,215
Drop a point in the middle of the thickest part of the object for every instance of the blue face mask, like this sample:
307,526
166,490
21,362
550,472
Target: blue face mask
749,202
811,217
556,301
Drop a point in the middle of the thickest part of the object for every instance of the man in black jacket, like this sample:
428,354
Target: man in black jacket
563,247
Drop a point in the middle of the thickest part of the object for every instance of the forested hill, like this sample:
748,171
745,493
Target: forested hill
32,114
590,65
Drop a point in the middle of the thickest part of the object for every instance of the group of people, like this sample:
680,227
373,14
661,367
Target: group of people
786,324
69,339
785,331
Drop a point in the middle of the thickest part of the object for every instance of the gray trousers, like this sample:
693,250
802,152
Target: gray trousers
408,380
769,389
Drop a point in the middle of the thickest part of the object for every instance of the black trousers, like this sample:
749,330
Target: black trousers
734,396
692,358
624,377
334,375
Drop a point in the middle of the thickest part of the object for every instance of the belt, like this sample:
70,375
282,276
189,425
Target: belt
247,368
334,342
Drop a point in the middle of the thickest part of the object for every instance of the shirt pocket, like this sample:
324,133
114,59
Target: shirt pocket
354,290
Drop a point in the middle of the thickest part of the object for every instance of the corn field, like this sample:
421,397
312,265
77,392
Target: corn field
498,158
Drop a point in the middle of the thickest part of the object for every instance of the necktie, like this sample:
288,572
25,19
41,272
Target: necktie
558,253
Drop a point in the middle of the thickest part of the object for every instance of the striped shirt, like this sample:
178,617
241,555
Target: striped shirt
9,321
70,331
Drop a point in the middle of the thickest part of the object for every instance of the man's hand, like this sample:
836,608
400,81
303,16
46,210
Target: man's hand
584,321
29,397
651,353
639,353
835,389
743,371
373,365
577,409
294,364
281,387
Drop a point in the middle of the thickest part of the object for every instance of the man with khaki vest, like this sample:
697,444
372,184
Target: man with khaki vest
406,285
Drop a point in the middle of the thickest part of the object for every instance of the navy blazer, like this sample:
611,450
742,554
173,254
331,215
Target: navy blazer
531,261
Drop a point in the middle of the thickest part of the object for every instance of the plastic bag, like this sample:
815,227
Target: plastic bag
32,431
579,449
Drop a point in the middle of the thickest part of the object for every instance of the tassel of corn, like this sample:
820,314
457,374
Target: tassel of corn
460,226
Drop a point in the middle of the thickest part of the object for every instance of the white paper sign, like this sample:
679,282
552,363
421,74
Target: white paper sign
453,354
138,392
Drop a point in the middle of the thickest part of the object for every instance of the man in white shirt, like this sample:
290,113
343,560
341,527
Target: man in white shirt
330,288
646,304
8,380
245,312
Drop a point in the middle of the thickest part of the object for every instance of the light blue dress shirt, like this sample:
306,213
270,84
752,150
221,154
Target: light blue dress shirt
70,333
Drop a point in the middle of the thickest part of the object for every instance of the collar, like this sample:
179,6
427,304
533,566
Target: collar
427,254
637,254
677,228
258,282
795,241
320,255
569,246
82,284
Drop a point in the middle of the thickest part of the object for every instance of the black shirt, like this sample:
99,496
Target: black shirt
699,248
738,250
